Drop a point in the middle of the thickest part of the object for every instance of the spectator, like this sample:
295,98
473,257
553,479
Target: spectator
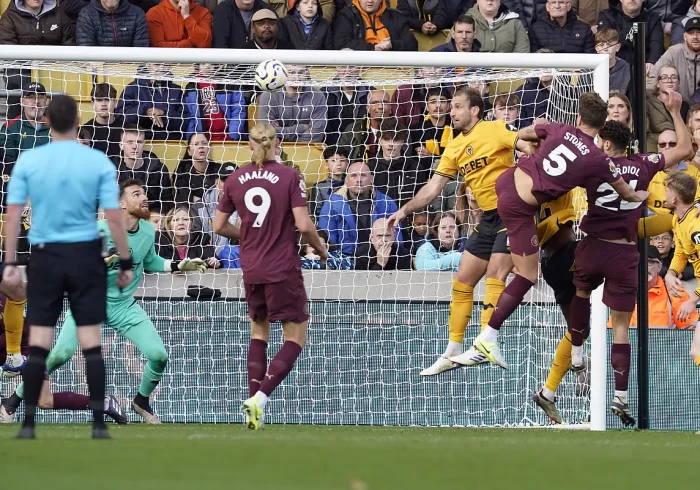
678,27
336,260
426,16
283,7
455,8
484,88
306,27
112,23
396,175
685,58
30,129
346,103
335,159
430,136
84,137
265,32
195,173
558,29
180,239
156,219
409,100
348,214
214,109
620,109
205,209
362,136
607,41
463,35
154,104
622,17
370,25
666,247
72,9
105,128
506,107
441,252
232,19
179,24
497,29
658,118
134,163
35,22
382,253
668,11
298,113
534,97
417,232
589,11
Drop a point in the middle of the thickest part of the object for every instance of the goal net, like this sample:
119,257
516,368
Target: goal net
180,127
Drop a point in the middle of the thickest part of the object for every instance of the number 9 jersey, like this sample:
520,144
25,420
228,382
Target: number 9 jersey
264,199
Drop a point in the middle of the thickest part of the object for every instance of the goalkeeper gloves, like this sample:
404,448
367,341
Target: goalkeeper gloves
188,265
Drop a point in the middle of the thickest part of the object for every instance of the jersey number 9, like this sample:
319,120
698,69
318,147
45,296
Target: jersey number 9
260,210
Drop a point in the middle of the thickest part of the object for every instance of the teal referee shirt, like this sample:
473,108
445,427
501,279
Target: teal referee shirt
65,182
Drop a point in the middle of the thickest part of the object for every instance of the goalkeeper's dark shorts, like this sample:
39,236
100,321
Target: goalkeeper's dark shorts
76,270
558,272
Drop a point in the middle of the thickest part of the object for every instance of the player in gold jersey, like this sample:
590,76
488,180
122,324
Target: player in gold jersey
680,195
481,152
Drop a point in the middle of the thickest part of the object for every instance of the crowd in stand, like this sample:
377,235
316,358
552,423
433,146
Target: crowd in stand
380,147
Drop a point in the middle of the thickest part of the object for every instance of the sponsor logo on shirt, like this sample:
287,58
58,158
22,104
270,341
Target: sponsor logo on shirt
54,27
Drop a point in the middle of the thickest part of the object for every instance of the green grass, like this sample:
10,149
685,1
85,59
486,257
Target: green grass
211,457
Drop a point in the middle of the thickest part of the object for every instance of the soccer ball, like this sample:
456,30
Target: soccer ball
271,75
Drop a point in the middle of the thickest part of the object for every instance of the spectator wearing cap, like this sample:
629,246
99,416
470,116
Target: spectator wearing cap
306,27
179,24
112,23
105,128
370,25
498,29
298,113
232,22
678,27
463,35
426,16
265,32
205,209
558,29
621,18
196,172
685,58
30,129
35,22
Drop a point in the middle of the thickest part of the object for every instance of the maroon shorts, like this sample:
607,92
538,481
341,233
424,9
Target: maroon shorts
616,263
283,301
517,215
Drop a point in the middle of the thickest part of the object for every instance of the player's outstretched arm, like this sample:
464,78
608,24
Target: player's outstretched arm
425,196
529,133
307,228
221,226
627,193
684,148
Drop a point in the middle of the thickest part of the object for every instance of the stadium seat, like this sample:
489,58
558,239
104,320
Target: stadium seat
3,6
426,43
79,86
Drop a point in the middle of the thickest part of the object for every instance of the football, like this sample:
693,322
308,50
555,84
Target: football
271,75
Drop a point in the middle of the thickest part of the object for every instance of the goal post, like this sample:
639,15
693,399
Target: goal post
370,333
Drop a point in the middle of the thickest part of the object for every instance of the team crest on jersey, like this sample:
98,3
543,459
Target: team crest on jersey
695,237
533,241
470,150
654,157
613,168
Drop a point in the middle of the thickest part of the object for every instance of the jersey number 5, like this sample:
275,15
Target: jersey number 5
562,157
260,210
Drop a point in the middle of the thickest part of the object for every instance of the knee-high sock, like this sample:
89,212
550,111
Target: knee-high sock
34,377
257,364
620,359
280,367
579,319
460,310
14,323
95,374
494,288
510,299
560,364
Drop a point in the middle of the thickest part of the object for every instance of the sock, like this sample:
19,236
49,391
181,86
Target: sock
509,300
257,365
460,310
280,367
95,374
262,399
580,318
153,373
548,394
697,361
494,288
453,349
70,401
620,359
14,323
33,376
577,355
560,364
14,402
142,401
622,395
489,334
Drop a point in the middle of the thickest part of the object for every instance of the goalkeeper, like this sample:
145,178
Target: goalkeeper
124,315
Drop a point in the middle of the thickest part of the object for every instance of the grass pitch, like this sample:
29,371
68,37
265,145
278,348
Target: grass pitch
212,457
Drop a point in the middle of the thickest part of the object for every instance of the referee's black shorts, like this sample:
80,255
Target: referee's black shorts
73,269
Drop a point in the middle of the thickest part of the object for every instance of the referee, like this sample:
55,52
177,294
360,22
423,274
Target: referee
64,181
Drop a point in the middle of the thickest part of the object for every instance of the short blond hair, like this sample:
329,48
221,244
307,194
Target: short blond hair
682,184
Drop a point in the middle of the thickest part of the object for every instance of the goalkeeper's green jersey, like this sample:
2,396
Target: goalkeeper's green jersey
142,247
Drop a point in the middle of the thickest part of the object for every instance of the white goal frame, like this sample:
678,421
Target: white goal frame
597,63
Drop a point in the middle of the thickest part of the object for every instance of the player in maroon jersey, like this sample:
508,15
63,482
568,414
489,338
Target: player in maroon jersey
567,158
270,199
